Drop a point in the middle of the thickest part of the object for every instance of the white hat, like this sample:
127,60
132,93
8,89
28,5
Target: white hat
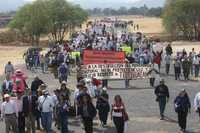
6,96
45,92
104,88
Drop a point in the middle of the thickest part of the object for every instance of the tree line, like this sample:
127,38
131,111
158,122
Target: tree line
144,10
181,18
54,18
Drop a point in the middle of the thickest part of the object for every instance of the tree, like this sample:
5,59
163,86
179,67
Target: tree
182,18
55,18
31,20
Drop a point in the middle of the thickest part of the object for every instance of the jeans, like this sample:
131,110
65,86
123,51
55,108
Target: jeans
46,121
162,104
105,83
167,68
196,70
152,81
64,124
127,83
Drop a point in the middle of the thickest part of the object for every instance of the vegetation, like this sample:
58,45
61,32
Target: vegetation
144,10
54,18
182,19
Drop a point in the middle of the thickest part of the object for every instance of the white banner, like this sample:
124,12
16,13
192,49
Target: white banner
115,71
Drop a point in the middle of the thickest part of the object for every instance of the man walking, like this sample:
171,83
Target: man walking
35,85
162,94
46,107
9,111
29,108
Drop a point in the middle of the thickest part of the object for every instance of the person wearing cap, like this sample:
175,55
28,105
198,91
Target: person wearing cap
36,84
9,112
182,107
46,104
103,106
19,81
162,97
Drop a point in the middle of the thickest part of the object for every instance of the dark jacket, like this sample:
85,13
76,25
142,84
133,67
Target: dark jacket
102,103
90,108
25,105
162,91
35,84
9,89
182,104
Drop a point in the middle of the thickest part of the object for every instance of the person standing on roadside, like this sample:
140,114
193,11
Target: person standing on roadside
162,97
182,107
169,50
177,69
9,69
167,63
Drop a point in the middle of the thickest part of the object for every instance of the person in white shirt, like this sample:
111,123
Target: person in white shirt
9,112
196,66
197,103
46,105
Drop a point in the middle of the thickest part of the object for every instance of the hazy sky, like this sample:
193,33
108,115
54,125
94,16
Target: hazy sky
6,5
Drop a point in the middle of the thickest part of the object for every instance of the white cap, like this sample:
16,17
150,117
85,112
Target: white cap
6,96
104,88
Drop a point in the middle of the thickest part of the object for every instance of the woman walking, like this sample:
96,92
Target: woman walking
103,107
182,107
87,112
63,107
118,114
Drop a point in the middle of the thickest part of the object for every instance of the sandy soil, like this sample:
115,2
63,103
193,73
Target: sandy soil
13,54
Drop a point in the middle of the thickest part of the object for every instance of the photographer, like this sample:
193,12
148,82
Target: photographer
46,107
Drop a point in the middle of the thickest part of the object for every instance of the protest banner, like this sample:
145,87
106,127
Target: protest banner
115,71
102,57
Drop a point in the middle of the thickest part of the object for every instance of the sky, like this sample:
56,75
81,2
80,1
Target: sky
7,5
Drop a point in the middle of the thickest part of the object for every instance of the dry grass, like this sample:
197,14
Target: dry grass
13,54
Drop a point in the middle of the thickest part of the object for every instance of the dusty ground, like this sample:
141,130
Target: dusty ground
13,54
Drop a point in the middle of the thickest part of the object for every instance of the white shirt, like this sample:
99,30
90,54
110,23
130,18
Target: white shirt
76,93
46,103
197,101
9,108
